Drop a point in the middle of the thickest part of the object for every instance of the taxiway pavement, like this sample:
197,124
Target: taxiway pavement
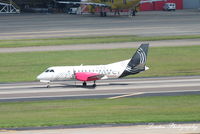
111,89
163,43
27,26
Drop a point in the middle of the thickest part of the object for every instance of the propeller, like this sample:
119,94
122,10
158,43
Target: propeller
74,76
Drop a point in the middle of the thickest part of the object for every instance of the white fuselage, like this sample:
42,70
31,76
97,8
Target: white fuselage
56,73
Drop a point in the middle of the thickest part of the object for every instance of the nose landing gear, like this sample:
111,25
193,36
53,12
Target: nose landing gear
84,84
48,85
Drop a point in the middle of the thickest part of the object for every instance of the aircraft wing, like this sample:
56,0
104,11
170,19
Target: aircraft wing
87,76
83,3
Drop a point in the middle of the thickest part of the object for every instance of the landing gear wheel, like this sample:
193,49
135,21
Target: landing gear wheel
94,85
84,84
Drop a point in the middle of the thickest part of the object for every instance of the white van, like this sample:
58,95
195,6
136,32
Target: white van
73,11
169,7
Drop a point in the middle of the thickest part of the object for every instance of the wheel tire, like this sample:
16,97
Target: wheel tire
84,84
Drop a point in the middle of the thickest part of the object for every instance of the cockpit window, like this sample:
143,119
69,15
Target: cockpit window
47,71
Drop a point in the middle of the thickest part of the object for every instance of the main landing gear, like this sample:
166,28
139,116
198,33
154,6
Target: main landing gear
85,84
94,85
48,85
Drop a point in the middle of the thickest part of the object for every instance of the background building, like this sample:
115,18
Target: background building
54,6
191,4
158,5
180,4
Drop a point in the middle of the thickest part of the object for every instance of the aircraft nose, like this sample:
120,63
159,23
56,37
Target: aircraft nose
39,77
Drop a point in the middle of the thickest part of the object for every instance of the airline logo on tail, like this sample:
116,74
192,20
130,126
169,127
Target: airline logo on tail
138,61
142,58
142,55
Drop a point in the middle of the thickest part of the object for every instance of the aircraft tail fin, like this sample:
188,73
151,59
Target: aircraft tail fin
137,62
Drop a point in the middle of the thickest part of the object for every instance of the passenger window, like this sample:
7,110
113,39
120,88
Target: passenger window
51,70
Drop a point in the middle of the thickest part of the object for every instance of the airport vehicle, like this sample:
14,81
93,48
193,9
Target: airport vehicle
120,69
169,7
73,11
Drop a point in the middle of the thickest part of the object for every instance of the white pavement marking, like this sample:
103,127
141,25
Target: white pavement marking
53,90
113,82
99,94
126,95
139,93
31,97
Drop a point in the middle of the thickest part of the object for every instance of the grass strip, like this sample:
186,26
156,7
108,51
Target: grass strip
88,40
100,111
163,61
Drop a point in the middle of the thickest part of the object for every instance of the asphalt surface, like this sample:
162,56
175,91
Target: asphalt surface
164,43
26,26
111,89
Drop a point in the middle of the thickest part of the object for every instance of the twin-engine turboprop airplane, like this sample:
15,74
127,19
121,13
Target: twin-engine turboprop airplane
97,72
